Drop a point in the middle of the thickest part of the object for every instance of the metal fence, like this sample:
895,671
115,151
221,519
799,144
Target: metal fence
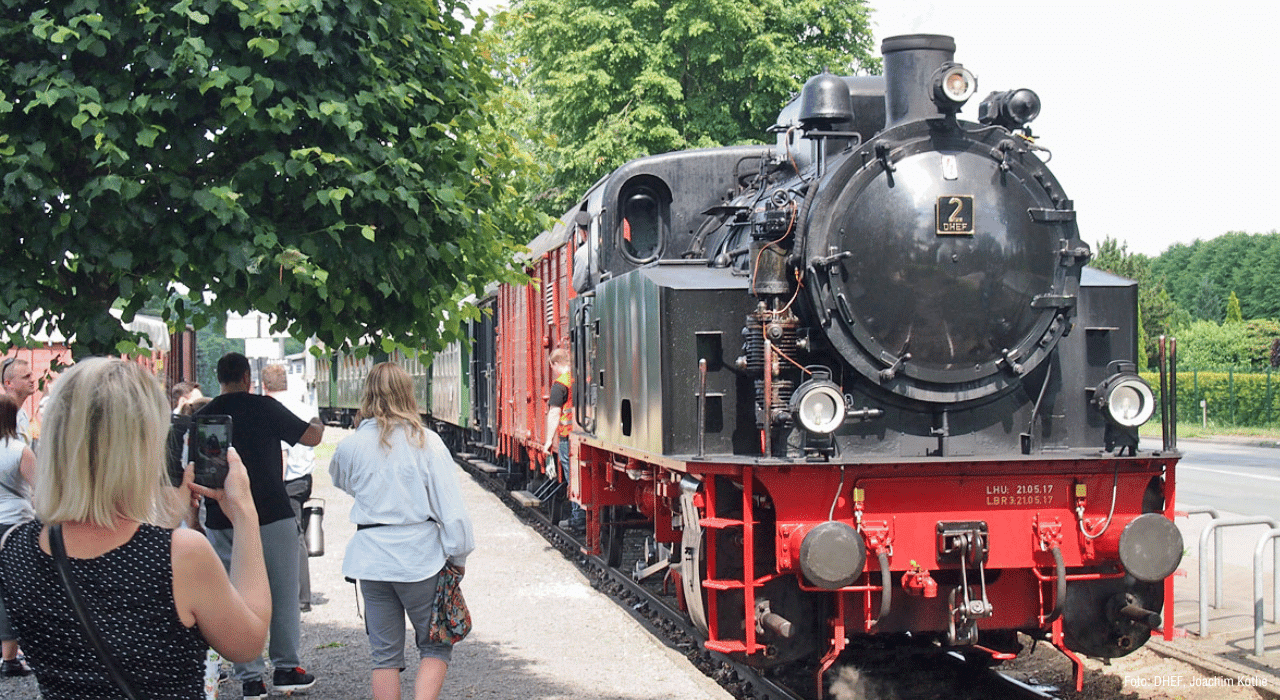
1226,397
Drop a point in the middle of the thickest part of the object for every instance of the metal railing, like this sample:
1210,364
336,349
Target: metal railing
1217,550
1273,534
1213,527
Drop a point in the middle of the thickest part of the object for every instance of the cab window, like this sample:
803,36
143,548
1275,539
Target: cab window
645,221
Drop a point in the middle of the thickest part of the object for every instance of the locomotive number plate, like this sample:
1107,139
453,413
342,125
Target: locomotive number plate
954,215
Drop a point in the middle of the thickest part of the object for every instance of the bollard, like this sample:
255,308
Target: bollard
1204,546
1257,588
1217,549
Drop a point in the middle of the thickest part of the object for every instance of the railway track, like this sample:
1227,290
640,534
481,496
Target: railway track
859,674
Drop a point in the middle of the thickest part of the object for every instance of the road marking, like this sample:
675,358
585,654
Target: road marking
1221,471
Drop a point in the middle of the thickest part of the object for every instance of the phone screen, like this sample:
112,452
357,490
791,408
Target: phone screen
210,439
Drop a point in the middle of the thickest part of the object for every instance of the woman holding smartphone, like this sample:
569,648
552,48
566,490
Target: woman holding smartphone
158,597
410,523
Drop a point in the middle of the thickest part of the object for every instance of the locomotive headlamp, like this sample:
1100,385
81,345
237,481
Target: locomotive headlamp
953,85
1012,109
1126,399
818,406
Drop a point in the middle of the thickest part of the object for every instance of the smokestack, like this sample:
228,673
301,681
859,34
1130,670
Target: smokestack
910,61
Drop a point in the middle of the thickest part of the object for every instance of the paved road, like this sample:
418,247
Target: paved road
1230,476
1237,477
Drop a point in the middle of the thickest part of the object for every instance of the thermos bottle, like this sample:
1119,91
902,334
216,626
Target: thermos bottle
313,526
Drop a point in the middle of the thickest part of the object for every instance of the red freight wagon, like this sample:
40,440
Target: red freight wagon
532,321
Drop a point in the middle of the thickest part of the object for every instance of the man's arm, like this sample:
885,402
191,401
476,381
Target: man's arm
315,432
553,422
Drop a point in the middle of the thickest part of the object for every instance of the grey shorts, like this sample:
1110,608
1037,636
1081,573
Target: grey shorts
385,605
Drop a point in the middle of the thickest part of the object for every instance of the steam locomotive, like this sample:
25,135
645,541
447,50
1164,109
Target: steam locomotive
858,382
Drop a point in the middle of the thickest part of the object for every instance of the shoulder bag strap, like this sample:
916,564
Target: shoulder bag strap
4,539
73,594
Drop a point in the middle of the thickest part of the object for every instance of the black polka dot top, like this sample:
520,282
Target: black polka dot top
129,595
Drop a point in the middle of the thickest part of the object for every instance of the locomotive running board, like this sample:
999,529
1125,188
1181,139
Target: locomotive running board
526,499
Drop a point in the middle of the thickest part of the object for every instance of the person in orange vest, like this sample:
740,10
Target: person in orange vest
559,425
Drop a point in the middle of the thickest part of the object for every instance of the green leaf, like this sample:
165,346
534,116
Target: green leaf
367,231
147,136
130,189
62,34
121,259
268,47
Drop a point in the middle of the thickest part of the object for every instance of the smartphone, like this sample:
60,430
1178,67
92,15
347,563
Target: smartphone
210,439
178,428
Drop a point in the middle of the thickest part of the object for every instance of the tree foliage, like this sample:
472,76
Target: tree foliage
613,80
1201,275
339,163
1207,345
1234,314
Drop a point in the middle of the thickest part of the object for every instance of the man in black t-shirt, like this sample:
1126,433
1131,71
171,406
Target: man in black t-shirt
258,425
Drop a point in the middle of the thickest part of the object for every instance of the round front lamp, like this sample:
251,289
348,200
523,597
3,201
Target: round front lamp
1128,401
953,85
818,406
1023,106
1012,109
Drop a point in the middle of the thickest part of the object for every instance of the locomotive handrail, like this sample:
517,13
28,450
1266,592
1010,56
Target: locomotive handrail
1163,363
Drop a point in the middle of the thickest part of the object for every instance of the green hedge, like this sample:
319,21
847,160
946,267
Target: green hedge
1232,398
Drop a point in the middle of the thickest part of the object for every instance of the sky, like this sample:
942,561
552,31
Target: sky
1161,116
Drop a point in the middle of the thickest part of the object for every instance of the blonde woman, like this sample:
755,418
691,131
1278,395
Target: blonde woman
159,598
410,523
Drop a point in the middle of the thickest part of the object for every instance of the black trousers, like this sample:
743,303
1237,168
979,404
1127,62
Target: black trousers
299,491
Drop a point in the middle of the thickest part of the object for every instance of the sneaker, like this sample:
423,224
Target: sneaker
15,667
574,525
289,680
254,690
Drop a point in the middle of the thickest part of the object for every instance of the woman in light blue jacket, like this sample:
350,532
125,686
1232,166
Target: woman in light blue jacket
410,524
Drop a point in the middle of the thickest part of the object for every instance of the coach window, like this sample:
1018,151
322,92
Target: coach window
645,220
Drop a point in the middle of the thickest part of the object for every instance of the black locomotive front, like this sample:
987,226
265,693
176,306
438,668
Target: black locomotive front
870,365
939,261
